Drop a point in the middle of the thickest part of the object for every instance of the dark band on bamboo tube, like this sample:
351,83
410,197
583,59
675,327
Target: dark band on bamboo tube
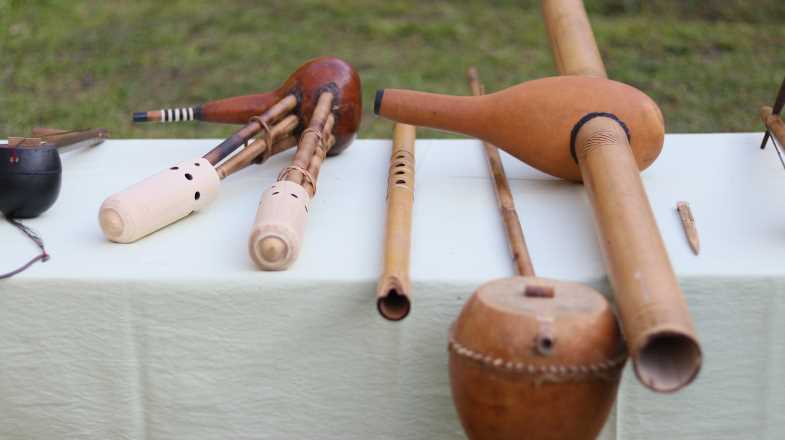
394,288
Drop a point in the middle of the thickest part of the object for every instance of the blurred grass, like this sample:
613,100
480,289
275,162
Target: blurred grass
68,64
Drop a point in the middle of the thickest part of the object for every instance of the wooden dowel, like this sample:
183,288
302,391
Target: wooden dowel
656,322
238,139
774,124
247,155
393,291
512,224
310,138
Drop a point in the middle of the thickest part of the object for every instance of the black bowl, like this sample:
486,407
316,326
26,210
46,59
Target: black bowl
29,180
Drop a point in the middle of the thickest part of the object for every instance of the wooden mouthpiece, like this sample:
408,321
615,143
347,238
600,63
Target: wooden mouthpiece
774,124
158,201
657,324
277,233
394,287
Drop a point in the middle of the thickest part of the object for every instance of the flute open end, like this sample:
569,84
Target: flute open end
668,361
393,299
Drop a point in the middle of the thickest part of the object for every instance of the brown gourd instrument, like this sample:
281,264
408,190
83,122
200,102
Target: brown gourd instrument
393,292
532,357
274,119
600,132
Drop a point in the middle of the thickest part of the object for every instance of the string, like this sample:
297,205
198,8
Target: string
42,257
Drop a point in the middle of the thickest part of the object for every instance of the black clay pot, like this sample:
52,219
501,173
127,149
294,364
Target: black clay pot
29,180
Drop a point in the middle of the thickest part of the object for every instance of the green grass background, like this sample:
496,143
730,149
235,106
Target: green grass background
71,64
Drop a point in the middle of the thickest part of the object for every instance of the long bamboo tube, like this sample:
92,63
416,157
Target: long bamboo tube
394,288
660,335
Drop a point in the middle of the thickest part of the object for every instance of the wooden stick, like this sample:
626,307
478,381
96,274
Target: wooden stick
254,126
774,124
259,147
659,330
512,224
60,138
393,291
688,223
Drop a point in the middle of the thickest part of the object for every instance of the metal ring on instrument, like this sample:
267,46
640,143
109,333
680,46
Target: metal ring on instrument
308,176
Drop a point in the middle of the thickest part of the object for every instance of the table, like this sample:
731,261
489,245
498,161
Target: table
179,336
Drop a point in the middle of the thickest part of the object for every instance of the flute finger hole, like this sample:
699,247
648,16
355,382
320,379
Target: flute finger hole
189,176
400,172
400,182
174,168
197,164
197,195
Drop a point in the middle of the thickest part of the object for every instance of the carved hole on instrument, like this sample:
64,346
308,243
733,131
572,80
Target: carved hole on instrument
398,173
393,306
196,164
400,165
276,192
668,361
400,182
174,168
294,195
400,156
189,176
545,345
197,195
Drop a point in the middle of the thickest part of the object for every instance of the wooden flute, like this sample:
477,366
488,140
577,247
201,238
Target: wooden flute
393,291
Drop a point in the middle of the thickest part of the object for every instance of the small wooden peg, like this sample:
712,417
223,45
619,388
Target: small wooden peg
688,222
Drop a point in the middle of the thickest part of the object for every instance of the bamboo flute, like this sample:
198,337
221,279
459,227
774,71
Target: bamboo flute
393,292
660,335
512,224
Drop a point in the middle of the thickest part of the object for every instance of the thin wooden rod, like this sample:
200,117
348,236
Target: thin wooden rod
254,126
512,224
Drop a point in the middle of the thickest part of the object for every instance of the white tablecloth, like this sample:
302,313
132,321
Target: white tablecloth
179,336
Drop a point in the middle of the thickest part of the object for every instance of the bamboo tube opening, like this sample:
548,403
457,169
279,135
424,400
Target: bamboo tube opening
394,305
668,361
